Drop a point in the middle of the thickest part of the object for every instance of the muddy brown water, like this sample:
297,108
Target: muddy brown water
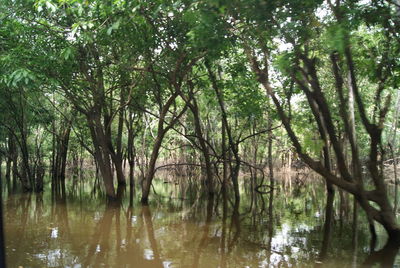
80,230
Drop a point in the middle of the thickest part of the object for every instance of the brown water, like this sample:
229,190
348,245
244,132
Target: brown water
82,231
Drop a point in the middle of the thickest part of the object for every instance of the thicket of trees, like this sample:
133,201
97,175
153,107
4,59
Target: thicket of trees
222,85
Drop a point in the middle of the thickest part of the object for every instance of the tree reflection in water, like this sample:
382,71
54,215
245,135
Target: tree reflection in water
283,227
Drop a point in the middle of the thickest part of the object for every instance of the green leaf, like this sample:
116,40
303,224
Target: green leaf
113,27
67,53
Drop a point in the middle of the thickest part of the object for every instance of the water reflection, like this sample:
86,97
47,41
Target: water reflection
384,257
278,228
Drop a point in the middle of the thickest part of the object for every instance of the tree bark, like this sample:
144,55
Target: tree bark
233,146
101,153
151,169
192,104
161,131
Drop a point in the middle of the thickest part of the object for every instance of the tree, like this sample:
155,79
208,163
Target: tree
303,63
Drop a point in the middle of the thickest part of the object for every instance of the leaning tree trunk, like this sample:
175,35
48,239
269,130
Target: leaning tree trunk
351,182
161,131
151,169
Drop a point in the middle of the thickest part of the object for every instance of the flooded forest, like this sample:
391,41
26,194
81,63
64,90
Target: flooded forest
188,133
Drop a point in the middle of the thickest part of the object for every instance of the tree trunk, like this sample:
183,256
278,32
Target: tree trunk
27,179
202,140
118,155
161,131
1,167
131,160
15,168
117,161
10,155
101,154
233,147
352,183
151,169
63,157
224,157
328,220
53,159
2,237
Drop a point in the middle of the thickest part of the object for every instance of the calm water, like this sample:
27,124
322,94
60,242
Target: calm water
82,231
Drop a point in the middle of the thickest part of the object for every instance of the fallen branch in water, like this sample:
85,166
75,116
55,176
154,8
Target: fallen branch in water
257,189
177,164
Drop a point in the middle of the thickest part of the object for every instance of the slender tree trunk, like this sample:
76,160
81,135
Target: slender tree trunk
270,222
233,146
27,179
63,157
161,131
117,161
329,205
115,156
223,241
270,159
151,169
118,155
15,168
354,237
1,168
8,170
202,141
53,159
396,182
131,160
393,145
224,157
2,237
10,154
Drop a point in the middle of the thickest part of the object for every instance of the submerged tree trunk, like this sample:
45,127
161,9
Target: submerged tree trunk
161,131
59,157
234,147
118,154
63,155
114,155
328,220
2,237
192,104
396,182
131,160
11,152
8,171
15,173
101,153
27,179
270,159
330,191
224,158
151,169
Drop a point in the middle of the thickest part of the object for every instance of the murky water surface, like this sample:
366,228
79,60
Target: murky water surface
82,231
